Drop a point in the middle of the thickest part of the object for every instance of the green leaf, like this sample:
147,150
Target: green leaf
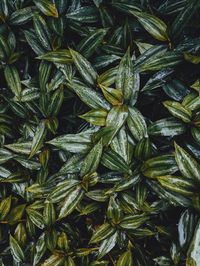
196,85
114,161
21,16
71,201
56,102
90,43
173,198
196,134
131,222
71,166
84,67
183,18
42,31
16,250
38,139
5,205
90,97
136,124
16,213
125,76
40,249
108,77
191,101
187,165
21,147
116,118
47,7
34,42
103,232
113,96
49,214
157,80
159,166
143,149
186,226
107,245
70,262
5,155
58,56
165,60
193,251
167,127
177,184
175,89
192,58
114,211
178,110
36,217
96,117
121,145
125,259
75,143
13,80
155,26
86,14
4,173
62,190
44,74
55,260
91,161
97,195
126,183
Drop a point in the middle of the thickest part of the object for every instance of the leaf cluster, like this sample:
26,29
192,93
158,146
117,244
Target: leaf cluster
99,132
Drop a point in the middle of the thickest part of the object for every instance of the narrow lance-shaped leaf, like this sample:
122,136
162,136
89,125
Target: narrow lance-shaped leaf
177,184
114,161
137,124
104,231
16,250
178,110
131,222
40,248
5,205
38,138
125,76
47,7
107,245
75,143
159,166
21,16
90,43
92,160
187,165
84,67
58,56
116,118
13,80
155,26
42,31
71,201
96,117
114,211
49,213
113,96
168,127
90,97
125,259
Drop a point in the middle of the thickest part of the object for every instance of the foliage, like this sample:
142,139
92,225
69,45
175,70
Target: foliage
99,132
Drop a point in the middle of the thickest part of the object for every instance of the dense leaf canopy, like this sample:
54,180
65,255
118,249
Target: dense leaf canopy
99,132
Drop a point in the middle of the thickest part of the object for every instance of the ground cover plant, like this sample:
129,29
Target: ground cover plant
99,132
